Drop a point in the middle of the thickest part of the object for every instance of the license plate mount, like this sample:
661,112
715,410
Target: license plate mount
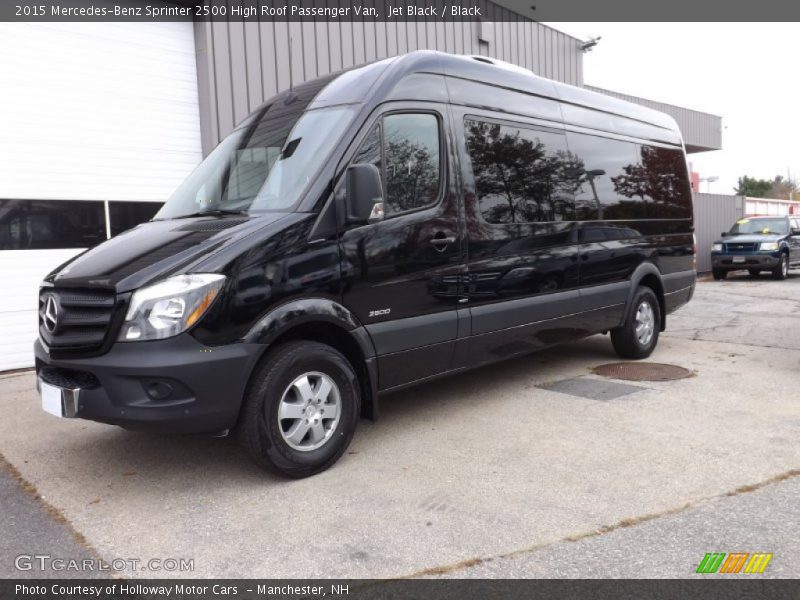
52,399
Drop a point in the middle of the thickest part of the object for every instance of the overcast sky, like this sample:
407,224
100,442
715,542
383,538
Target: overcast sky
744,72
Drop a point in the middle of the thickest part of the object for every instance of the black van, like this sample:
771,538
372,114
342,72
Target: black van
365,231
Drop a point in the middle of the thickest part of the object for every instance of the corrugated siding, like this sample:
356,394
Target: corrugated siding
713,214
701,131
241,65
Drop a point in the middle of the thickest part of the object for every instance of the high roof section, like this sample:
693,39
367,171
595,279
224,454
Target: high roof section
701,131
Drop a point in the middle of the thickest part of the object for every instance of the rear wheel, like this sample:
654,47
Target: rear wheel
719,274
638,335
301,409
781,270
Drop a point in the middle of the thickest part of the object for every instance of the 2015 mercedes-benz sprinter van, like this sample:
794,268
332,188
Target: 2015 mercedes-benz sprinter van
411,218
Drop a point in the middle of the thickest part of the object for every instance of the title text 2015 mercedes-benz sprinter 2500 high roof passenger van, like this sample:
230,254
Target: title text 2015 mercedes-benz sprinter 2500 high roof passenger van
368,230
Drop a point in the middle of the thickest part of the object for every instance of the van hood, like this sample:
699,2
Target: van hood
157,249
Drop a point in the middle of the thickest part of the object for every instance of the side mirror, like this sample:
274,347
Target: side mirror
724,233
364,194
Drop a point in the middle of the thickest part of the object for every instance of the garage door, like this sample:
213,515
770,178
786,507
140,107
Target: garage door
99,123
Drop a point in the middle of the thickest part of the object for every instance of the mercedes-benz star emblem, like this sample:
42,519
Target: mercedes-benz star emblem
51,314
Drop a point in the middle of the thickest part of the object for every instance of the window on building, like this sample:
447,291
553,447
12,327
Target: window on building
47,224
127,215
522,174
405,148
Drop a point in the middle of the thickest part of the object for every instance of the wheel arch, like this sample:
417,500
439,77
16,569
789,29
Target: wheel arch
648,275
326,321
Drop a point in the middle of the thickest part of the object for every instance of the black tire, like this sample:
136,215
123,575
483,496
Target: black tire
626,342
754,272
260,429
781,270
719,274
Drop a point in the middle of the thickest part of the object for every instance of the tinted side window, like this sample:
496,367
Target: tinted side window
411,151
603,165
522,175
661,180
620,180
405,148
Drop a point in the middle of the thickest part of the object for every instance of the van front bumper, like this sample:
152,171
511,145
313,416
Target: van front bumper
751,261
175,385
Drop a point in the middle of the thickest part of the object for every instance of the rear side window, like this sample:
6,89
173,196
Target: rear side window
521,174
619,180
405,148
602,164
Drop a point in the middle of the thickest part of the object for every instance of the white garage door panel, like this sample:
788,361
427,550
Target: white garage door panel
16,343
88,111
24,270
97,111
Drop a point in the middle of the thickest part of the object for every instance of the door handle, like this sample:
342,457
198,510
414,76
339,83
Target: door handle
440,241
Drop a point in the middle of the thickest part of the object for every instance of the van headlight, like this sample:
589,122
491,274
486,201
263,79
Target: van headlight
716,247
169,307
768,246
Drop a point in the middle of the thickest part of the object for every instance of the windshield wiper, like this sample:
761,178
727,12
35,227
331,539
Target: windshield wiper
216,212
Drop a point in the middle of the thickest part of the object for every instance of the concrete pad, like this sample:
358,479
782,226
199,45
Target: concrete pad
478,465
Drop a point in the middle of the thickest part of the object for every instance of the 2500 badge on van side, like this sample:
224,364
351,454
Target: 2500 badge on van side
366,231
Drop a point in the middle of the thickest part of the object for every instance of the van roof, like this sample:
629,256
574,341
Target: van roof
378,79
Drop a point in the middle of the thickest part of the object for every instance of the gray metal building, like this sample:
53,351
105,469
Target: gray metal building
241,64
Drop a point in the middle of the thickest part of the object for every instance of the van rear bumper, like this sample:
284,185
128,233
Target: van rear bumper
174,386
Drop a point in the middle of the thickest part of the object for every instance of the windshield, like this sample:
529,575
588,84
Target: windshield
765,226
263,165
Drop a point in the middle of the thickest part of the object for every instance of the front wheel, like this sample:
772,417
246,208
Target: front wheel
638,335
301,409
781,270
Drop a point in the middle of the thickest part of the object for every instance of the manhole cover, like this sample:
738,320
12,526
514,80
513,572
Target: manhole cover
642,371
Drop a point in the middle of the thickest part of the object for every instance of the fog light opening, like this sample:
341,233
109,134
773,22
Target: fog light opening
158,390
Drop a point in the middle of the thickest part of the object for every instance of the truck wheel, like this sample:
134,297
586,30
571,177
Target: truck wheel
781,270
638,335
719,274
300,409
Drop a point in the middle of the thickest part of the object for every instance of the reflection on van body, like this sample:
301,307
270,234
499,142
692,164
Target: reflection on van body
366,231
